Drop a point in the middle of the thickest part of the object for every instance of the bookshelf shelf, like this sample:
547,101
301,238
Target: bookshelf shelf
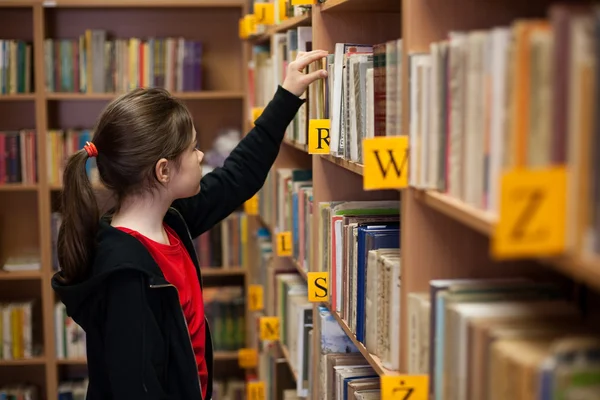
346,164
72,361
360,5
579,268
290,23
18,187
23,362
299,268
218,356
17,97
20,276
286,355
226,356
230,271
372,359
297,146
478,220
145,4
208,95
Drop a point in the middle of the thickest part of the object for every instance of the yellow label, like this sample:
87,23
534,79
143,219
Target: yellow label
255,390
264,13
282,9
248,358
255,298
256,112
386,162
269,328
532,217
242,29
302,2
284,244
404,387
251,205
317,286
249,25
318,136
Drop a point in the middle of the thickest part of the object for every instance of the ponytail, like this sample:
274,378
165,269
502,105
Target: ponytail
80,219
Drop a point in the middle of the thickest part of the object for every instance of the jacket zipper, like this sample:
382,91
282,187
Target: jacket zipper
187,330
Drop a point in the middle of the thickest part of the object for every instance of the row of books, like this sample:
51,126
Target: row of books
70,337
342,372
61,145
67,390
361,96
15,67
17,331
517,96
19,392
502,339
224,245
225,310
293,208
73,389
18,161
285,296
93,63
358,240
229,390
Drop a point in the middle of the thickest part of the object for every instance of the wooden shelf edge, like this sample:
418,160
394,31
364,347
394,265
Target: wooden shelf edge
202,95
143,4
18,96
585,269
346,164
23,362
286,354
470,216
18,187
230,271
361,6
20,275
295,145
373,360
72,361
225,355
290,23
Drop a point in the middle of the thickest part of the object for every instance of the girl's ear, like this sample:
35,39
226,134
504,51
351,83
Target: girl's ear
162,170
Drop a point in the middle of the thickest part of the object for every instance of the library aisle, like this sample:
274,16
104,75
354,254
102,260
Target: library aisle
430,228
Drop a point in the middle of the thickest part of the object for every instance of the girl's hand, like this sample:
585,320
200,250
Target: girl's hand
297,81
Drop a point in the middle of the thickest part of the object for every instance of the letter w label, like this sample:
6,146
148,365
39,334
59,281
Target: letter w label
386,162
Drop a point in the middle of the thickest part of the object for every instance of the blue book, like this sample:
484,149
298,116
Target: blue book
370,237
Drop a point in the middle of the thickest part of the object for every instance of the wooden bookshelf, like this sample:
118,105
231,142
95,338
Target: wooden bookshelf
442,236
220,104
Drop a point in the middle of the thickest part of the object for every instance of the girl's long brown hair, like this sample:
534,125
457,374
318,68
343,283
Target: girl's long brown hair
132,134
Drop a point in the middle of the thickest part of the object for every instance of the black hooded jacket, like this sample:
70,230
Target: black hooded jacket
138,345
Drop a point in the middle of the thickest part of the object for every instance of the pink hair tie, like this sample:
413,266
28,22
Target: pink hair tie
91,149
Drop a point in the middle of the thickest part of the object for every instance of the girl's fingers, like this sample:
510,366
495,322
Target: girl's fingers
308,58
313,76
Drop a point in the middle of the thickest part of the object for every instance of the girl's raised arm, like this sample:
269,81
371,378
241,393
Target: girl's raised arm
225,189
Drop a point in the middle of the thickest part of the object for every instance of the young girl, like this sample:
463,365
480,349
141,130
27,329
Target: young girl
131,277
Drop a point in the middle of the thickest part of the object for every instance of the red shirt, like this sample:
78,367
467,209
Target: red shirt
179,269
